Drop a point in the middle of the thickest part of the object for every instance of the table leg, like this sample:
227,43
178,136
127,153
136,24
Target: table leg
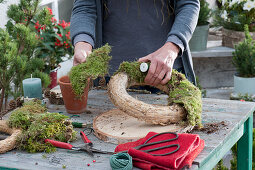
244,147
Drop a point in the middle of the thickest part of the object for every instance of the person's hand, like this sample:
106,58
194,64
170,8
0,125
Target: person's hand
81,51
162,62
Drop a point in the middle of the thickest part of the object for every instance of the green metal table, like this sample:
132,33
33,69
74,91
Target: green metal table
237,117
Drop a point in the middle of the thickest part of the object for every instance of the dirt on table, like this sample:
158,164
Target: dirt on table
211,127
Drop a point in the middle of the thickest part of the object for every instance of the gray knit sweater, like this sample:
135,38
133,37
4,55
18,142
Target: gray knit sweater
87,25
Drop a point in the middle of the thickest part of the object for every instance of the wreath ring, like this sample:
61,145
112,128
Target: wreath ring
10,142
152,114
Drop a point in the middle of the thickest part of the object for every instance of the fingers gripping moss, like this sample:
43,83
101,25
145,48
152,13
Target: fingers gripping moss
179,89
96,65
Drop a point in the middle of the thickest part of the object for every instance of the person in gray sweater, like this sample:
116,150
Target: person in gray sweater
157,31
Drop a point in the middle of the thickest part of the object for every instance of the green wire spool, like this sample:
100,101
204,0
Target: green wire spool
121,161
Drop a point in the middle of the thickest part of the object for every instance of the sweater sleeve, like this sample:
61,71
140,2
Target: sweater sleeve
83,21
186,16
83,38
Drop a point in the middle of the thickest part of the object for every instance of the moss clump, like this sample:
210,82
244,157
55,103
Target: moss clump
34,106
22,117
96,65
181,91
133,70
37,126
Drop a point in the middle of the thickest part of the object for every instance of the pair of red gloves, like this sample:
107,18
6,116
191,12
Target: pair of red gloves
190,146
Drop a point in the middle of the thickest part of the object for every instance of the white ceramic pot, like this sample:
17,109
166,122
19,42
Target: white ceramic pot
244,85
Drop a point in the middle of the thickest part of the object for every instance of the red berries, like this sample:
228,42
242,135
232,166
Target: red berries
88,164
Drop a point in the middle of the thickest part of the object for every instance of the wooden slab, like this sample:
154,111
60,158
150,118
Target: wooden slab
116,127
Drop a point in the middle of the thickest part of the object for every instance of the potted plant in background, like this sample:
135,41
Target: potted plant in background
233,15
54,43
21,33
198,41
244,61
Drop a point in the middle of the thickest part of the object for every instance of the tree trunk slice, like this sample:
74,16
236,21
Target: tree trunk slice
152,114
117,127
10,142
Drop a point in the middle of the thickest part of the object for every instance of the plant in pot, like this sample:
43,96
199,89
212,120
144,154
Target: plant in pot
75,87
244,61
198,41
21,33
54,42
233,15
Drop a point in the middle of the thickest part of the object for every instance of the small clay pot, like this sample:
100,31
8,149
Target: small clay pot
73,104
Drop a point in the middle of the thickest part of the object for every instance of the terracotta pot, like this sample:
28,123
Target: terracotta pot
73,104
230,38
53,78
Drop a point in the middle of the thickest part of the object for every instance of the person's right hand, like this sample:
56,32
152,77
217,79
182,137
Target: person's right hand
81,52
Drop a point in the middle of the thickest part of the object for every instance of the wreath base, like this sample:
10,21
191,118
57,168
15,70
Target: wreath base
10,142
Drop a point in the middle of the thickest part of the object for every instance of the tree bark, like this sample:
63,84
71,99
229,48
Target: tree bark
2,98
5,101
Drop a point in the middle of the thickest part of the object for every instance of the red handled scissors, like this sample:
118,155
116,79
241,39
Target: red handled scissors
87,148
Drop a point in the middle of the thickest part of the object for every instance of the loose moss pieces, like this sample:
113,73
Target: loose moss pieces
96,65
34,106
181,91
38,125
22,117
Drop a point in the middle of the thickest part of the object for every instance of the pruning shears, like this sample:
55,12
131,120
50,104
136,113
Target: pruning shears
87,148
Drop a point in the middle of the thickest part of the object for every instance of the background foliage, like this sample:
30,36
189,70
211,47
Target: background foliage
32,43
244,56
234,14
204,13
19,28
54,39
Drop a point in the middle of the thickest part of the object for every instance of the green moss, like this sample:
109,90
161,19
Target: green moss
20,119
96,65
133,70
181,91
38,125
34,107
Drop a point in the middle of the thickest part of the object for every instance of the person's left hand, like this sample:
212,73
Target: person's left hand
162,62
